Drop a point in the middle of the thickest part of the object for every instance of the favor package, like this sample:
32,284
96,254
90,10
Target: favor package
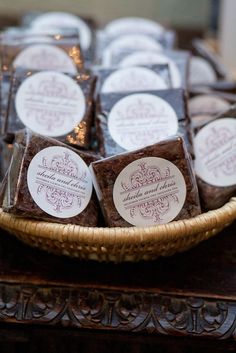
58,52
137,78
128,121
206,107
135,33
50,181
52,104
150,186
178,61
64,20
215,163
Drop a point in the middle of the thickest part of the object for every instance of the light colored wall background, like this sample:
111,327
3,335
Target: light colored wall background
191,13
228,33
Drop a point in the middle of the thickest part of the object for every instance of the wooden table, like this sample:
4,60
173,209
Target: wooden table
50,303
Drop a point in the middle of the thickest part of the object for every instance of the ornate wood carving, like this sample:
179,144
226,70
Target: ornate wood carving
123,311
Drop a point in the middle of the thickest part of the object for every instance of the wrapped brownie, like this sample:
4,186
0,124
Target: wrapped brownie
64,20
201,49
52,104
135,33
37,53
128,121
215,164
50,181
133,79
205,107
201,72
178,61
150,186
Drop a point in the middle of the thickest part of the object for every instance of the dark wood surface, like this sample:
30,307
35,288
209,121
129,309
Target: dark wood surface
192,294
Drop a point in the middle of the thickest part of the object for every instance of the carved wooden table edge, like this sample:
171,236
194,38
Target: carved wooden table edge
137,312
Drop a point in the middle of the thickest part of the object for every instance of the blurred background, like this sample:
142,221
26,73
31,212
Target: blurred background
211,18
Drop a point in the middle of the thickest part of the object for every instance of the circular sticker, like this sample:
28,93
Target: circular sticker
215,152
133,25
50,103
65,20
59,182
133,79
207,104
201,71
149,58
149,191
45,57
139,120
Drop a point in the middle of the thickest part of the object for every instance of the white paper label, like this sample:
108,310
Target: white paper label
151,57
65,20
206,104
139,120
149,191
201,71
45,57
59,182
50,103
215,151
133,25
133,79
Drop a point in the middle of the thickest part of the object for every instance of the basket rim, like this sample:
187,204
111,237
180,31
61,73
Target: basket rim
204,222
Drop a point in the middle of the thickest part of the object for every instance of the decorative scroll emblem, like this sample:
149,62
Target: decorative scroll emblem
149,191
59,182
139,120
47,114
150,175
61,199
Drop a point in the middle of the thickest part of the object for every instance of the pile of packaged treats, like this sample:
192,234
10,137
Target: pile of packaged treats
114,126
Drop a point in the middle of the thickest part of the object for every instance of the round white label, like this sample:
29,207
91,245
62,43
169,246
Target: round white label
201,72
215,151
136,25
149,191
59,182
133,79
65,20
50,103
149,58
207,104
45,57
139,120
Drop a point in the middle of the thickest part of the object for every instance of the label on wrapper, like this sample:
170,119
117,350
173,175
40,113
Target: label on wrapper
139,120
133,79
215,152
50,103
59,182
45,57
149,191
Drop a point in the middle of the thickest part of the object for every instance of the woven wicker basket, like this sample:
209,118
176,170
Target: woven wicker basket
120,244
